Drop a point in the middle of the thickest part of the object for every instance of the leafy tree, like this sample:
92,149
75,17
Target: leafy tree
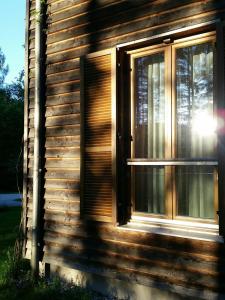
3,68
16,88
11,127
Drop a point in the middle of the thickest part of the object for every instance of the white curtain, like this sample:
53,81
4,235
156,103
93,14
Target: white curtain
195,136
150,132
156,134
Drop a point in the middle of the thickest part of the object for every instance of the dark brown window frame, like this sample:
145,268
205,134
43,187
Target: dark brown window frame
170,60
124,206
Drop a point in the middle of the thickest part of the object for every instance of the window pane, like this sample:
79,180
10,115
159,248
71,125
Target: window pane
149,106
194,103
149,189
195,191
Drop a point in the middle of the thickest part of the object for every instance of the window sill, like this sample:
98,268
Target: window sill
190,230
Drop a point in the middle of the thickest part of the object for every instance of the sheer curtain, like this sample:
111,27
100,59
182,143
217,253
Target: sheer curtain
150,132
195,124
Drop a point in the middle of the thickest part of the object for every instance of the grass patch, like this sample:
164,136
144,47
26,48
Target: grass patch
9,226
16,281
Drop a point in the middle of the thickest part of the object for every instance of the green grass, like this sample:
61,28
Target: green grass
9,225
16,281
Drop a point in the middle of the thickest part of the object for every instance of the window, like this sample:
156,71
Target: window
174,148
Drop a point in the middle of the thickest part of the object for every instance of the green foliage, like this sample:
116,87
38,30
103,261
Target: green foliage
11,127
3,68
15,270
16,281
15,89
9,226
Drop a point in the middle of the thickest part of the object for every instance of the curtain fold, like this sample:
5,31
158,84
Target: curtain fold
194,85
194,135
149,181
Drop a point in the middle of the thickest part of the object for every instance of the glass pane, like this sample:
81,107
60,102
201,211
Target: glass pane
149,189
195,191
149,106
194,105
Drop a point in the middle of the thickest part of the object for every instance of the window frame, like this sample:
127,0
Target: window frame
170,128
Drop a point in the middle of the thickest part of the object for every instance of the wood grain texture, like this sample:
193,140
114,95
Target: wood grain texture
76,28
97,128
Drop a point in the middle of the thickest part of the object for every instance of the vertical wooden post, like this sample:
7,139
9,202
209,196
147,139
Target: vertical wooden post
25,136
38,104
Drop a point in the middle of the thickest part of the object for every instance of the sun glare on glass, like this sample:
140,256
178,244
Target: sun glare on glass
204,124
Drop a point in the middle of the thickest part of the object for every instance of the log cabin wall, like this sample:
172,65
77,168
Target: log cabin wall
76,28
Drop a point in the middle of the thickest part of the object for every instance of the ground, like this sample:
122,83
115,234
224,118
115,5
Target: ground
16,281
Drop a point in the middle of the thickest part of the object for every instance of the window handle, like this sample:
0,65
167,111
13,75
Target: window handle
119,136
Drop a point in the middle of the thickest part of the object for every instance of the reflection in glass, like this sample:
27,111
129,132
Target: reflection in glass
195,191
149,189
150,106
194,101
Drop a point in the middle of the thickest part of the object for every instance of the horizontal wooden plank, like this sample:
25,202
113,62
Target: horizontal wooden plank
60,152
31,113
63,109
31,66
66,130
70,11
52,183
125,14
66,163
165,272
57,89
63,206
58,68
62,77
66,55
62,194
31,123
62,141
100,13
62,163
79,51
67,98
177,245
30,132
32,82
138,24
31,92
130,248
153,256
71,119
62,217
62,184
55,173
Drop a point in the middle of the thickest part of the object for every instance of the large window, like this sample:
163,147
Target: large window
174,148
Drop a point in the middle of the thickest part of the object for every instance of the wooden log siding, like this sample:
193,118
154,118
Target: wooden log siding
75,29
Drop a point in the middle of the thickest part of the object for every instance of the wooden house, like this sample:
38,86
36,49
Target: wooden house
124,156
